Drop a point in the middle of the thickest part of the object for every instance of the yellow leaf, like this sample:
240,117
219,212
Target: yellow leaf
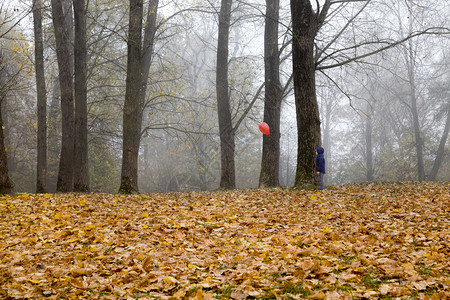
170,280
145,215
313,197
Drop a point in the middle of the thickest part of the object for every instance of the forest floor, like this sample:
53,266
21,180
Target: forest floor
368,241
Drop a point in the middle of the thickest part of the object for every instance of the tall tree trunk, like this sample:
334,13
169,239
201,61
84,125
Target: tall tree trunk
65,174
305,25
147,53
441,150
53,134
41,168
226,131
416,127
6,184
270,164
81,170
130,147
410,62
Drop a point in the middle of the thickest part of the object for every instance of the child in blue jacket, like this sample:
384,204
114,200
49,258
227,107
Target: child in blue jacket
320,166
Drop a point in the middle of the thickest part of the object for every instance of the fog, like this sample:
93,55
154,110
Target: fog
383,113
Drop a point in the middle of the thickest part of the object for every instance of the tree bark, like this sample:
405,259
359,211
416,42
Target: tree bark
226,131
270,164
81,170
65,173
41,168
130,146
305,25
441,150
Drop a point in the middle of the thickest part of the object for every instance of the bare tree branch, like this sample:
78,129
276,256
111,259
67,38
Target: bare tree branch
340,32
238,123
428,31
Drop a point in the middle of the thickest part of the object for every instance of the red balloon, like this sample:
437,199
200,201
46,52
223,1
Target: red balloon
264,128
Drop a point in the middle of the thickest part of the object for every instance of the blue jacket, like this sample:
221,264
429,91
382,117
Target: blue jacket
320,160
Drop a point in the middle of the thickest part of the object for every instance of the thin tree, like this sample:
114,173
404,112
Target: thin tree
131,134
226,131
441,149
147,54
41,179
65,173
81,170
273,97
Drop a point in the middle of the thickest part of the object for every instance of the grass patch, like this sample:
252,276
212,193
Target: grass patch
296,288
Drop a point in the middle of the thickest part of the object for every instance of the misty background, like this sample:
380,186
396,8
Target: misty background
367,106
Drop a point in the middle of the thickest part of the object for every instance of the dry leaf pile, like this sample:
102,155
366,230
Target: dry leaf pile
373,241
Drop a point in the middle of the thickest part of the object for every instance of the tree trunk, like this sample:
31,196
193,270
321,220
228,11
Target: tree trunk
410,61
304,29
270,164
147,53
130,147
81,170
416,126
369,150
441,150
53,134
6,184
226,131
65,174
41,168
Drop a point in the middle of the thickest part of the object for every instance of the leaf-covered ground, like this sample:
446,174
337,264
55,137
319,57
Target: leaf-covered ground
361,241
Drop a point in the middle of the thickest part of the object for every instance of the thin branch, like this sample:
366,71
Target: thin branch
391,45
340,33
238,123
